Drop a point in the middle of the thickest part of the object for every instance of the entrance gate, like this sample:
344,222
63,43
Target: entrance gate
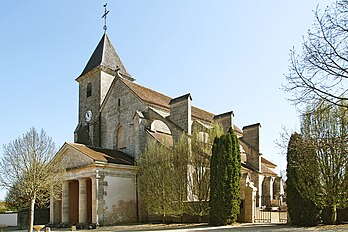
271,211
262,216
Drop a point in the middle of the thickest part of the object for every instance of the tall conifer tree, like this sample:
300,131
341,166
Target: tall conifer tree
225,176
300,184
234,175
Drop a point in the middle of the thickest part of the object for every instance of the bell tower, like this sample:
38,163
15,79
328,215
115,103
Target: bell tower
94,83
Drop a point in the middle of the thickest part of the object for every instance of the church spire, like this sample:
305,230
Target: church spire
105,56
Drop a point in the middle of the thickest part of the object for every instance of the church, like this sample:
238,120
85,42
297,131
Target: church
116,119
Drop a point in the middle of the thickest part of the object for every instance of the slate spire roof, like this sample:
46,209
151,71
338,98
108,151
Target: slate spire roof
105,55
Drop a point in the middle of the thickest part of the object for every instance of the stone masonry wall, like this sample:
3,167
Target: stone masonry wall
119,110
180,114
92,102
118,203
251,134
100,82
226,120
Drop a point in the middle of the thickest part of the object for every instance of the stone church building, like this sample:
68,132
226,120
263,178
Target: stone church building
117,117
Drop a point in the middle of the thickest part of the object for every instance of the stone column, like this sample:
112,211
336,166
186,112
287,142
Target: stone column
95,205
250,202
271,193
65,202
52,209
82,201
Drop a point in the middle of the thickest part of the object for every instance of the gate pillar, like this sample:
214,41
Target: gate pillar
250,202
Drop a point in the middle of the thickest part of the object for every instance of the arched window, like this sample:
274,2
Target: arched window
120,138
89,89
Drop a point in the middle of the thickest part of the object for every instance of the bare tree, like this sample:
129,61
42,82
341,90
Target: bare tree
320,71
156,178
28,171
199,169
174,180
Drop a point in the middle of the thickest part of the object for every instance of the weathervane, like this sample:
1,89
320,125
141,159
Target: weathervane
104,16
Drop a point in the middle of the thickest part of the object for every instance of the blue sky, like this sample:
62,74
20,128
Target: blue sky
230,55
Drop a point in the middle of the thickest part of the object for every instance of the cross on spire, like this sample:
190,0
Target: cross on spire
104,16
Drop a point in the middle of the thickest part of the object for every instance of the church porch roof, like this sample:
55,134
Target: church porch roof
104,155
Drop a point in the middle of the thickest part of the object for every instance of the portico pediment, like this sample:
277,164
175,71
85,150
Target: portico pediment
73,158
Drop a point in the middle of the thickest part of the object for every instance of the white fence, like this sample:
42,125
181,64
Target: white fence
9,219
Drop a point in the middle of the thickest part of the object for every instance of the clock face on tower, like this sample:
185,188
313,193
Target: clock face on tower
88,116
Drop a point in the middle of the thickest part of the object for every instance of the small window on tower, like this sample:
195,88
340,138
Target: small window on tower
119,102
89,89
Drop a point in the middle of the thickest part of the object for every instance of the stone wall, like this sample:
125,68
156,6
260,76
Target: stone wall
118,200
120,110
225,120
251,134
92,102
100,83
180,112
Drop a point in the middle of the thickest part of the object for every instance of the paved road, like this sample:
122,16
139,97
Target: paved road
256,227
197,228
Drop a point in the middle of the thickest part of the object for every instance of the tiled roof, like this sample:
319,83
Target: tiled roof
155,98
162,138
104,155
266,170
267,162
148,95
105,54
202,114
237,129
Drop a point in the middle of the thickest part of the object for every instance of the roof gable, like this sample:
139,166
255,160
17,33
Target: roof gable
78,155
73,158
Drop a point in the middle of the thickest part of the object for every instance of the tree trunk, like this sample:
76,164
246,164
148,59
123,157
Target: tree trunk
31,215
164,218
333,214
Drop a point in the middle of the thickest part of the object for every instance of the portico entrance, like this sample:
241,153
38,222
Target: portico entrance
80,201
73,202
75,207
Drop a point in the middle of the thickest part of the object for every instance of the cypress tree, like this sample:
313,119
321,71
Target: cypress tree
225,176
216,184
234,174
299,186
